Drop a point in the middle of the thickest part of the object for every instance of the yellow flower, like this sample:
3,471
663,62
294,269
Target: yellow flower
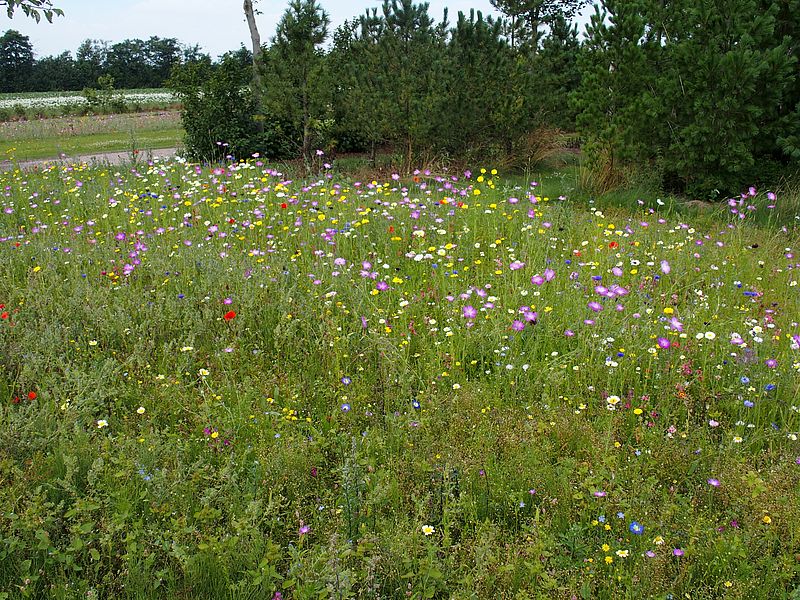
609,560
606,547
766,520
140,410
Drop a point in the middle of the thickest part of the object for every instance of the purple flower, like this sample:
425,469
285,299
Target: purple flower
665,268
600,494
713,482
595,306
675,324
549,274
304,529
537,280
469,312
517,325
636,528
663,343
677,552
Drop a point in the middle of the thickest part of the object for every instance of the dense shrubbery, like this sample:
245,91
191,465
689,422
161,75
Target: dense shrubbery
706,94
693,99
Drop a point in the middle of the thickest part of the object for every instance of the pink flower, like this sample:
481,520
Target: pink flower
469,312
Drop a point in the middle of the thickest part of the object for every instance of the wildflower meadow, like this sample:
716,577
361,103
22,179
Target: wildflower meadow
224,382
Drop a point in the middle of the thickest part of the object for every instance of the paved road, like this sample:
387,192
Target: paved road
111,158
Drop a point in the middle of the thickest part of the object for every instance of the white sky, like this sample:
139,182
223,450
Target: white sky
216,25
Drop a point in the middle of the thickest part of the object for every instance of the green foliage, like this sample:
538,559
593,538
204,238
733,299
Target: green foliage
35,9
711,110
219,113
104,98
296,87
526,17
16,61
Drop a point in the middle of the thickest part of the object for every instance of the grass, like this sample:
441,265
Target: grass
50,138
222,383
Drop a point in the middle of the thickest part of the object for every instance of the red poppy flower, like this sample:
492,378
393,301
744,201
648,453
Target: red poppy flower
231,221
31,395
230,315
15,400
4,315
613,245
284,205
391,228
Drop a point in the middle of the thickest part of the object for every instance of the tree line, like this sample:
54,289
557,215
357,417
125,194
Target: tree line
698,96
393,77
131,63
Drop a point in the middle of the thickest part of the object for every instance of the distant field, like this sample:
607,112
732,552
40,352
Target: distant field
50,100
50,138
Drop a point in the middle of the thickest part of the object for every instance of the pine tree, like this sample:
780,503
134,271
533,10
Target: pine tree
296,88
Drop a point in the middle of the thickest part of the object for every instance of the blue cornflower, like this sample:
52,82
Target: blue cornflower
769,387
636,528
346,380
620,515
745,380
748,403
415,404
602,518
345,407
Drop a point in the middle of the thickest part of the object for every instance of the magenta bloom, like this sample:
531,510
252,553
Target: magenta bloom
713,482
517,325
665,268
600,494
469,312
537,280
530,316
304,530
771,363
516,265
549,274
663,343
595,306
677,552
675,324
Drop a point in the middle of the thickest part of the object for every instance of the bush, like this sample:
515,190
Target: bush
219,113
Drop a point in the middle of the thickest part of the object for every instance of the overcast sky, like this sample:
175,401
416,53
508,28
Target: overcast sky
216,25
